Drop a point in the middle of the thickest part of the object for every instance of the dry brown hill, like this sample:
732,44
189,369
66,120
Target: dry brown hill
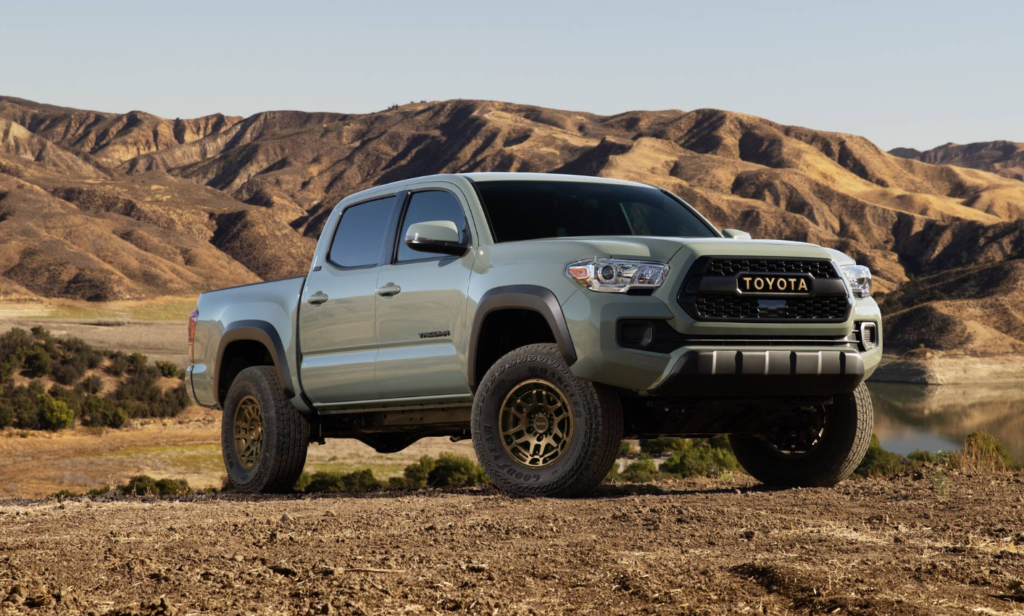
103,206
1003,157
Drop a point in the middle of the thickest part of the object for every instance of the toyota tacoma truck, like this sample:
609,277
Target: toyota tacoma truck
546,317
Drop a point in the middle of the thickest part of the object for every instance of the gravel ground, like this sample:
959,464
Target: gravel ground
937,544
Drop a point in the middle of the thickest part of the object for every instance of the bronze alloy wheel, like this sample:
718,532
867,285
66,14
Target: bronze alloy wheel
536,423
248,432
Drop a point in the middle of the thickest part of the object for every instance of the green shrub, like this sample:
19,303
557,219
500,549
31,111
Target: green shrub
170,370
701,458
300,486
453,470
417,473
137,362
640,471
144,485
68,396
103,412
54,414
6,414
7,370
614,475
982,452
627,450
91,385
355,482
661,446
922,457
118,364
67,373
37,362
879,462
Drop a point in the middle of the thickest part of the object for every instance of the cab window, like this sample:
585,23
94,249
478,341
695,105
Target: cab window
360,235
426,206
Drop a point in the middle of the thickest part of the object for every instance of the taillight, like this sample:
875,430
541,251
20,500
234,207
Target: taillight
192,320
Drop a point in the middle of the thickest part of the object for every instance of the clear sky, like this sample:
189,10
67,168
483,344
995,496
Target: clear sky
911,73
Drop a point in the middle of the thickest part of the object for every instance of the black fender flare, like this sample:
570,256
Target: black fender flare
523,297
265,334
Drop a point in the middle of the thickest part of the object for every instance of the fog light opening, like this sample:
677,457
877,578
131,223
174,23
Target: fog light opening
868,335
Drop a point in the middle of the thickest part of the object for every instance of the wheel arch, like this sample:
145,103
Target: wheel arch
238,348
529,298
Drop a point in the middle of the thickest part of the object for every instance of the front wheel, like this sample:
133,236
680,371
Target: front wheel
817,448
263,438
540,431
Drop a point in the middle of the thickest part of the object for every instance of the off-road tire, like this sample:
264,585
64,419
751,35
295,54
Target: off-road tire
848,426
285,435
597,426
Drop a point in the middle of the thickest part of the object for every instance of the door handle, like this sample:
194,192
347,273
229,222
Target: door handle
389,290
317,298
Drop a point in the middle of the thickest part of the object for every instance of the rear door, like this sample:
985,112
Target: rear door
421,304
336,318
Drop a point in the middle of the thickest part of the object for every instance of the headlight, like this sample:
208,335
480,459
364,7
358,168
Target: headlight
859,277
617,276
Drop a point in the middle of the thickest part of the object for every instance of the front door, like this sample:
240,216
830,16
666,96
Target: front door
336,317
421,307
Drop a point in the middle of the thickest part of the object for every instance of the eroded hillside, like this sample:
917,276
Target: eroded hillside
112,206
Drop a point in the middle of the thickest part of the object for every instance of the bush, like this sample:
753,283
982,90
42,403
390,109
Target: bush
640,471
881,463
137,362
417,473
54,414
144,485
661,446
170,370
6,415
355,482
118,364
67,373
453,470
701,458
982,452
7,370
102,412
69,397
37,362
91,385
627,450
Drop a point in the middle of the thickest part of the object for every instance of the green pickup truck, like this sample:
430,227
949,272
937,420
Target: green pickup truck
547,317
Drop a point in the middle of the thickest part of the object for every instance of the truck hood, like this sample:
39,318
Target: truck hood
666,249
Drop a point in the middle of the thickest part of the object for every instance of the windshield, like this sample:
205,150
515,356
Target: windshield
527,210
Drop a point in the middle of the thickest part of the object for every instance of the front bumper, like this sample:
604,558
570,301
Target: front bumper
731,373
780,367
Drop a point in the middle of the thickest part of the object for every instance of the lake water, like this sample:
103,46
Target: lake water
937,418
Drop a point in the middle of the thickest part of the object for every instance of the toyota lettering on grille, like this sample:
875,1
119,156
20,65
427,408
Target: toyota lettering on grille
786,284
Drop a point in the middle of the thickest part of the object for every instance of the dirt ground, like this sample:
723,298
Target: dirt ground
934,545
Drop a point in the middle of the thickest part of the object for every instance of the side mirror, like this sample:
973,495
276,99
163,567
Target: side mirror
439,236
736,234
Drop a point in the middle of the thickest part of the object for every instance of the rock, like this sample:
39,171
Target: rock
284,570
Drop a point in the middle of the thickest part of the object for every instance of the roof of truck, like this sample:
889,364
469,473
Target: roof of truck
486,177
549,177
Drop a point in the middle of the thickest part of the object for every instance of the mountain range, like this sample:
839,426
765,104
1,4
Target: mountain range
105,206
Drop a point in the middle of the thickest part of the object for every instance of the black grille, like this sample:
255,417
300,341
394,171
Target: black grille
796,308
733,266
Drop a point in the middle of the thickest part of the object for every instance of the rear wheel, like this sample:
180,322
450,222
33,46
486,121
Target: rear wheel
540,431
817,448
263,438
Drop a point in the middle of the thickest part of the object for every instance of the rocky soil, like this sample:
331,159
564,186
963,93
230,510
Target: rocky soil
935,544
